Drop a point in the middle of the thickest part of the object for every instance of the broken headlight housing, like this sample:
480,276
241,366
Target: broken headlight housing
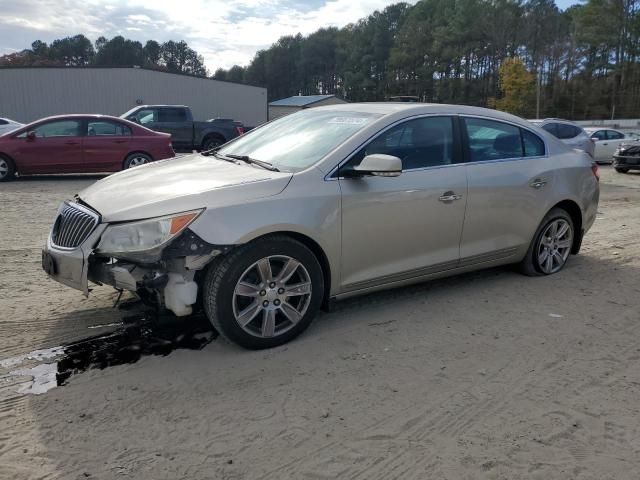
144,235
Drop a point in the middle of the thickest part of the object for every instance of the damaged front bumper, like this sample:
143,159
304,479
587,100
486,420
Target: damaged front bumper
166,274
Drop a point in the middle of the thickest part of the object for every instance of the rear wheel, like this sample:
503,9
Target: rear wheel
136,159
264,293
621,169
7,169
551,245
211,142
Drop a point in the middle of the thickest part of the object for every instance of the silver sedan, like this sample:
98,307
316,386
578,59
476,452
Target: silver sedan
325,204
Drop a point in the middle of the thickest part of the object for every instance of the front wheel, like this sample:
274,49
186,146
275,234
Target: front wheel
136,159
7,169
264,293
551,245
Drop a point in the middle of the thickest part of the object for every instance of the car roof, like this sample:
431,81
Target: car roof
9,120
390,108
597,129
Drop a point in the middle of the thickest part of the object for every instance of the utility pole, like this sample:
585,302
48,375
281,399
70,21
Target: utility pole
538,93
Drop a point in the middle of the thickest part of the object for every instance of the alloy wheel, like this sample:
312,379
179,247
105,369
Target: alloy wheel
272,296
137,161
4,168
555,245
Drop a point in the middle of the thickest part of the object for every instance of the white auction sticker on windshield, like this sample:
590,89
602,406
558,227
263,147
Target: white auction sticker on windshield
349,120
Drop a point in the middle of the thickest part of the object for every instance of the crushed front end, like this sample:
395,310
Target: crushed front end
156,258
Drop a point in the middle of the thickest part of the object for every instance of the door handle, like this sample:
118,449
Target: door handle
538,183
449,197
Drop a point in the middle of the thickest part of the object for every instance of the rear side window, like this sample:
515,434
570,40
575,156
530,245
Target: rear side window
567,131
533,144
552,128
107,128
491,140
613,135
172,115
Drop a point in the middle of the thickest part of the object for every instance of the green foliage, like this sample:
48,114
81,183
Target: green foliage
449,51
118,51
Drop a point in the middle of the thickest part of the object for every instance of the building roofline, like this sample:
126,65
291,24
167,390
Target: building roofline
132,67
326,97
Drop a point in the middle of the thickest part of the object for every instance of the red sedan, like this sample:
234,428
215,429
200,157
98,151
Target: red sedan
80,144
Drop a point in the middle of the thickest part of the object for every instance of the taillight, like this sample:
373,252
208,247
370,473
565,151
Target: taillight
595,170
240,130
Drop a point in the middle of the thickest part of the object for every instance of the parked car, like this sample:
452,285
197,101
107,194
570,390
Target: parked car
627,157
186,134
7,125
325,204
78,144
568,132
606,142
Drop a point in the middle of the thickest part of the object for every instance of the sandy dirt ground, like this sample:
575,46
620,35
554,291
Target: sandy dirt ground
487,375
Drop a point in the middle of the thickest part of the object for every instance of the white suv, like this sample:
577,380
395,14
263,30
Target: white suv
568,132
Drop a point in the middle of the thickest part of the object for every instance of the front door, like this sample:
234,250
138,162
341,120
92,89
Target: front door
55,148
396,228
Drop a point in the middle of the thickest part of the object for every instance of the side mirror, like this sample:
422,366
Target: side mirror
31,135
379,165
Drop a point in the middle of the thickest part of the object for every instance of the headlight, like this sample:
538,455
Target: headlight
144,235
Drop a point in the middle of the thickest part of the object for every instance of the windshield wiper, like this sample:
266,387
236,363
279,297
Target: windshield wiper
248,159
214,152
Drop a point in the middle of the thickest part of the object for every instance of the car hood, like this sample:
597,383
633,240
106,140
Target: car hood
177,185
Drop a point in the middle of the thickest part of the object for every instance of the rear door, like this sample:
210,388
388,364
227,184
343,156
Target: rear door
56,147
106,145
508,174
396,228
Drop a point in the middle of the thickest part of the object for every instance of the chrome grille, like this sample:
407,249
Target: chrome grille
72,227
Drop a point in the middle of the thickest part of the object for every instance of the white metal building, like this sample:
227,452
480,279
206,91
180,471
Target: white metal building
280,108
30,93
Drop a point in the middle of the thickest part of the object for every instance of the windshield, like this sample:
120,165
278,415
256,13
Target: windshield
129,112
299,140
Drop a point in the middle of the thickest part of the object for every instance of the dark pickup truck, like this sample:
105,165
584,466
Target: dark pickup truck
186,134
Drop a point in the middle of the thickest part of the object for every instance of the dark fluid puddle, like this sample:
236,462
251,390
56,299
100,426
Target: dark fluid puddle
141,334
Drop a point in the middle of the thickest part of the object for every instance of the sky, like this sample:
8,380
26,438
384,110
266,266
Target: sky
225,32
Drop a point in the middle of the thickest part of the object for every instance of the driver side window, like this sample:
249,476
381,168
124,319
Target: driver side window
420,143
57,128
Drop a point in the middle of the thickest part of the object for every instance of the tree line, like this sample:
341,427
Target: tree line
523,56
585,60
78,51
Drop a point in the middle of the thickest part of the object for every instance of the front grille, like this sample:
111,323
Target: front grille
72,227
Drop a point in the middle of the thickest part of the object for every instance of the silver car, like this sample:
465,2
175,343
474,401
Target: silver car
568,132
325,204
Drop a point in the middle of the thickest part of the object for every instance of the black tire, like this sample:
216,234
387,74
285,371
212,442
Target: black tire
621,169
136,159
530,264
212,142
223,275
7,169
